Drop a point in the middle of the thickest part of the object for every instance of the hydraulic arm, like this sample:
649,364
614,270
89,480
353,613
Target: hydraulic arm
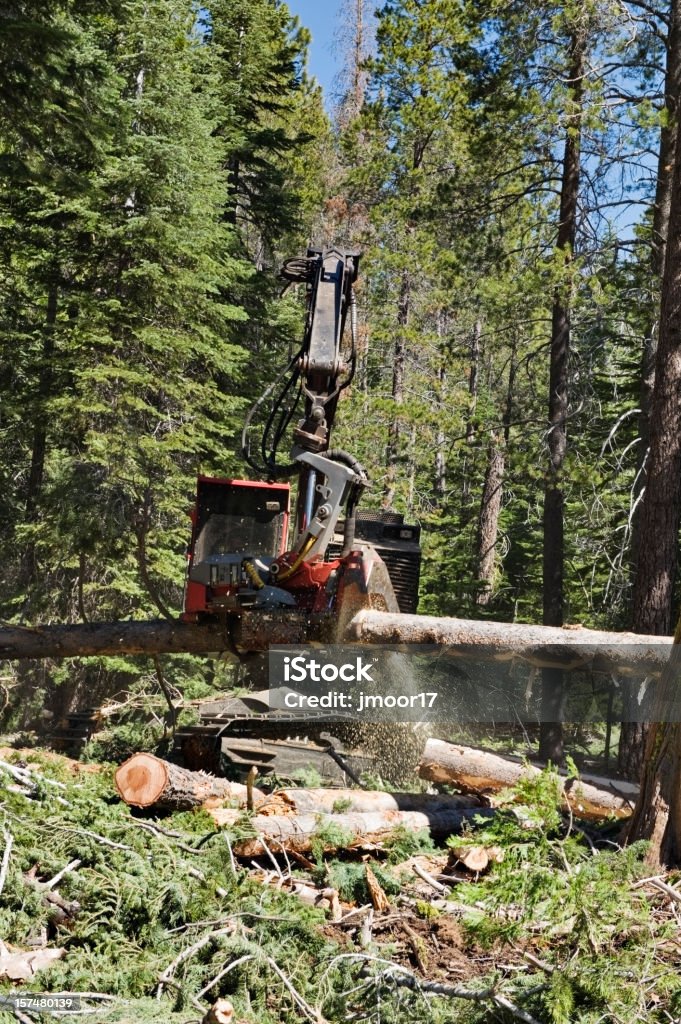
240,559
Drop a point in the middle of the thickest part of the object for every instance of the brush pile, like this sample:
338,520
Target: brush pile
325,905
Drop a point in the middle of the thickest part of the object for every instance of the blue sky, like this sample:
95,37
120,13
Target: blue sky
321,18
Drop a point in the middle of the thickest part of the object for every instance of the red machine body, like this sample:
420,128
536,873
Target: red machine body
233,522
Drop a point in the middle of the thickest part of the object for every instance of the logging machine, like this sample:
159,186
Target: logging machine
279,574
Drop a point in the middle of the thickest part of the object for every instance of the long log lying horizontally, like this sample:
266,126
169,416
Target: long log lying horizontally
478,770
259,631
540,645
329,801
353,831
147,781
154,636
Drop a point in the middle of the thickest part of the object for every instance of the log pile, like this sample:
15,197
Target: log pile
297,820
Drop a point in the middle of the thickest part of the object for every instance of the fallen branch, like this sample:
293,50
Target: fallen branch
7,852
71,866
428,879
224,972
28,778
166,976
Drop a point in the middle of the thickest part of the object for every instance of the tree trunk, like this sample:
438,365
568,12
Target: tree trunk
476,770
327,801
36,472
658,812
644,618
488,522
352,831
156,636
147,781
539,645
473,376
657,815
440,484
551,732
394,429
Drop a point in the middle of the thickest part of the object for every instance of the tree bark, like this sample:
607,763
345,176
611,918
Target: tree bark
657,815
551,732
473,377
351,831
539,645
394,429
440,483
147,781
658,812
327,801
488,522
155,636
477,770
491,640
645,613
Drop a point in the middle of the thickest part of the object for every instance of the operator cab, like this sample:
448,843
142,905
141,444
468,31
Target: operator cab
235,523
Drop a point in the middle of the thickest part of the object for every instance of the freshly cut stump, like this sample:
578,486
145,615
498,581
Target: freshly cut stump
147,781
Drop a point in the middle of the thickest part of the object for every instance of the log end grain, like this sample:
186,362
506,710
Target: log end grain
141,779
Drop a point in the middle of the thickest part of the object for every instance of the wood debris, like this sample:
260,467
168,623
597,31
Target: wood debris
23,964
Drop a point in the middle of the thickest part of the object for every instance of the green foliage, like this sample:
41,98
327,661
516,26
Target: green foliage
405,843
594,926
158,159
140,904
328,836
350,880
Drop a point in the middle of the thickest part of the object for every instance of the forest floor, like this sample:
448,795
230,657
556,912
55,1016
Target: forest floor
156,918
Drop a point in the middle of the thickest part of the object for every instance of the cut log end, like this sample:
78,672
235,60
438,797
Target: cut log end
141,780
221,1012
147,781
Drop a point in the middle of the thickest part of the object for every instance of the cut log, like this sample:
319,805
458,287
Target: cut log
475,858
221,1012
539,645
330,801
147,781
477,770
346,831
156,636
256,631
